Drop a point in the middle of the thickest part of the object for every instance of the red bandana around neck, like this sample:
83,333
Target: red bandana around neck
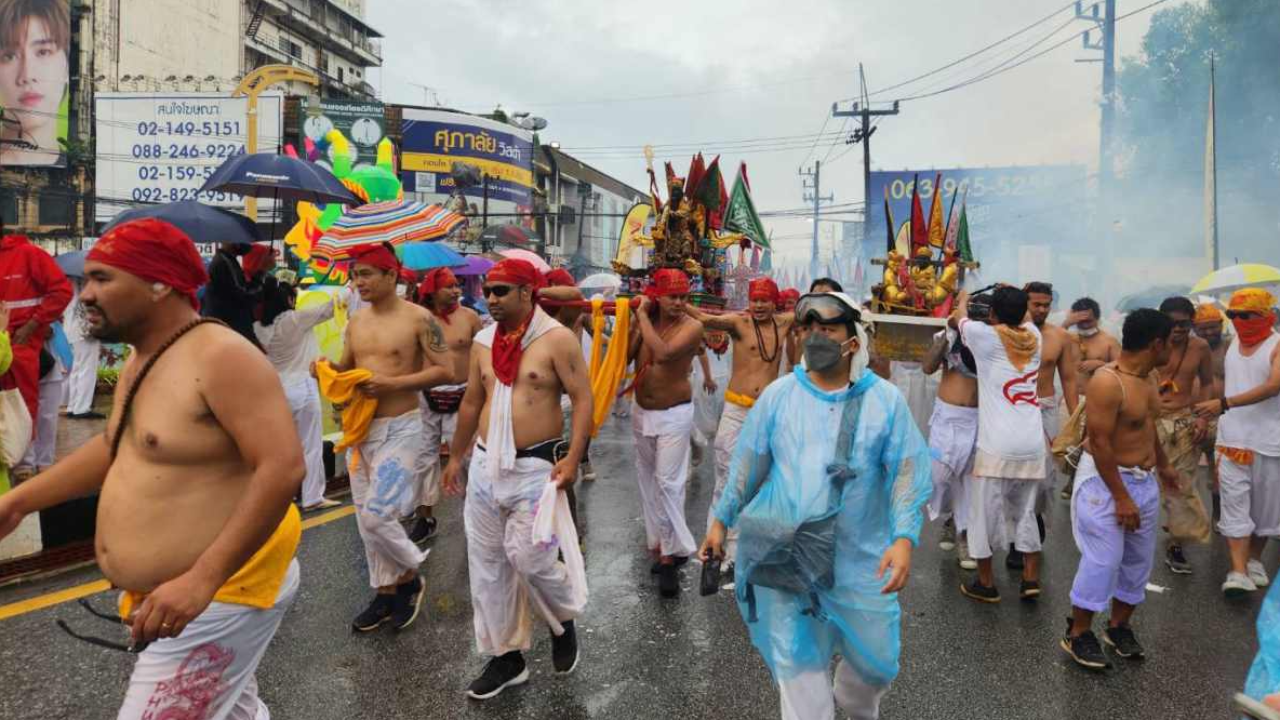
508,348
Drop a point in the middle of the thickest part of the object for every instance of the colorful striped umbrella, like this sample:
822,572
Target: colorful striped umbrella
396,222
1237,277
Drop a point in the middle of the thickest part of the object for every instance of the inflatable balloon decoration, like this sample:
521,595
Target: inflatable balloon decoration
371,183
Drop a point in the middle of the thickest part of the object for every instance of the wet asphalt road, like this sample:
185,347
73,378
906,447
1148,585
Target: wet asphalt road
644,657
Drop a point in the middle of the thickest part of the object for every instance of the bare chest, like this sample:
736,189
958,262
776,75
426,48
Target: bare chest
380,343
170,423
535,374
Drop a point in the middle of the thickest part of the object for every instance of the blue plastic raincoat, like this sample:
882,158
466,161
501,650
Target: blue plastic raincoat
786,445
1264,676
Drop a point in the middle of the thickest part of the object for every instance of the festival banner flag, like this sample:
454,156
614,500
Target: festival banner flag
962,234
919,229
709,190
953,223
937,230
740,216
888,222
766,262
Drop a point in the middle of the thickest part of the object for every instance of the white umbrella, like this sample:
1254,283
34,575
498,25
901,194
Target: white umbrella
601,281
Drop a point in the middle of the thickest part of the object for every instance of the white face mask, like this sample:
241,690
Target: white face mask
1089,332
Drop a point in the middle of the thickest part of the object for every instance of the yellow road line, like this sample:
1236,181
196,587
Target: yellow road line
40,602
328,517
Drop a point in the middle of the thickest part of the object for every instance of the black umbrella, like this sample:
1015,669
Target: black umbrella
1151,297
267,175
201,223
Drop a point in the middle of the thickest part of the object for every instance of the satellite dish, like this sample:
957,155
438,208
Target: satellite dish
532,123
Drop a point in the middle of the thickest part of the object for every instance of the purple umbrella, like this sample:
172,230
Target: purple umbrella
476,265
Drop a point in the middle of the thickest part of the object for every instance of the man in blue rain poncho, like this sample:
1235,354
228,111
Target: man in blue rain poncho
826,489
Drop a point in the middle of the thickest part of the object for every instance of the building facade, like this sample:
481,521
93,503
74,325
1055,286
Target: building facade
179,46
584,211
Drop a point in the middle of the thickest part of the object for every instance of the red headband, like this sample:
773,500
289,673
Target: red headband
559,278
668,281
375,255
437,279
258,258
763,289
515,272
155,251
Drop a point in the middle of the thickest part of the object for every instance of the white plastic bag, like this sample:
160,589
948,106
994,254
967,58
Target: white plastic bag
15,427
553,527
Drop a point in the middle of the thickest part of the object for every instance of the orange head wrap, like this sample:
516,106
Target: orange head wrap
1252,331
515,272
559,278
763,289
378,255
667,282
1207,312
155,251
1252,299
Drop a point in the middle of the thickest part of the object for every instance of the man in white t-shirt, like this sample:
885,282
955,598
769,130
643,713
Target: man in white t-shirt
1010,461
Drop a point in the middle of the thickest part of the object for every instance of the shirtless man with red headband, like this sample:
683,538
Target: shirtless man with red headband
440,293
759,341
519,368
393,351
197,472
664,347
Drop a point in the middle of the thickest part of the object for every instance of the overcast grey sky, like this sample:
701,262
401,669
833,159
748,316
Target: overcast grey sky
733,70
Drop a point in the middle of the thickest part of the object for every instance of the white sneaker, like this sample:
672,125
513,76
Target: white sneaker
1237,584
962,554
1258,573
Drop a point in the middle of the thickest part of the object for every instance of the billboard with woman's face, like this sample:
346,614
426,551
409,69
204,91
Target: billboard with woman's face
35,43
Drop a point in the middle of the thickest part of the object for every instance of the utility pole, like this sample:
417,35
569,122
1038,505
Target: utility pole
1104,20
811,180
1106,24
862,109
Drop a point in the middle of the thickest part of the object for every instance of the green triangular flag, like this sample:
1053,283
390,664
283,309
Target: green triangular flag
962,236
741,214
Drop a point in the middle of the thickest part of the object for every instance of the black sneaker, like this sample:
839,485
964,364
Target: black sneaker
423,530
1176,561
1030,590
668,581
564,649
407,602
980,592
1084,649
1123,642
378,612
1013,560
500,673
679,561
